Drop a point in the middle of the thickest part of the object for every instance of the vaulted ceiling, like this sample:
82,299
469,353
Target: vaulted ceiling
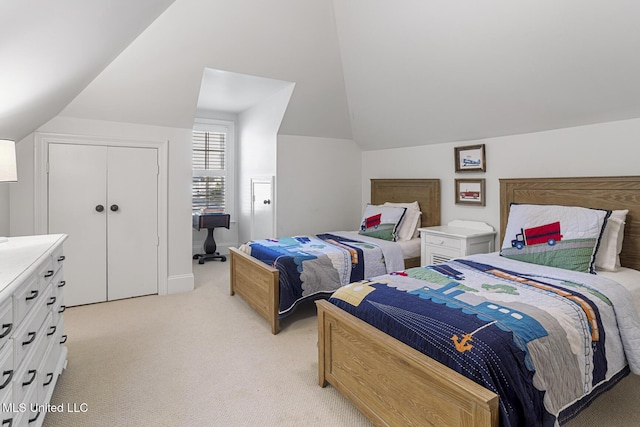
385,73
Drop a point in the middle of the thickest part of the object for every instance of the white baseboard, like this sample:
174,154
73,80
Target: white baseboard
180,283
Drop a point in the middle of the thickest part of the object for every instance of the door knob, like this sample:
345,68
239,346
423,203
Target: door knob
114,208
266,202
99,208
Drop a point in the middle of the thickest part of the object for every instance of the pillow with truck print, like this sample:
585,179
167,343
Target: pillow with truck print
381,222
556,236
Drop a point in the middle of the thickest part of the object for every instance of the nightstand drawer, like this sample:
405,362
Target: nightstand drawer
442,241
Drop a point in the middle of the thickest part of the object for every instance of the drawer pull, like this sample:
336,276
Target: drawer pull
62,283
7,328
34,294
61,258
63,339
52,301
52,329
32,372
34,418
8,422
33,337
49,273
62,309
9,375
49,379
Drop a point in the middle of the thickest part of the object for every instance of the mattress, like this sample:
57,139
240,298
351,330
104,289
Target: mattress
410,248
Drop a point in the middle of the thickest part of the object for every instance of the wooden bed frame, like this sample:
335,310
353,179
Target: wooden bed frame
258,284
393,384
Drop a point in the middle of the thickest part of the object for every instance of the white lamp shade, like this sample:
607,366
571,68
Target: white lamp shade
8,170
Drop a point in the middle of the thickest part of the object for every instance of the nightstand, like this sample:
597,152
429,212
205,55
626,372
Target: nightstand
455,240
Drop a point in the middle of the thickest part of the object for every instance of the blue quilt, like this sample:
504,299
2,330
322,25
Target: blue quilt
313,267
546,341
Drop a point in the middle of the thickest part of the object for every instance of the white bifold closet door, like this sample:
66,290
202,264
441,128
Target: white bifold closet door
106,199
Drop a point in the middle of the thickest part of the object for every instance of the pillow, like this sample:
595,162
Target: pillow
608,256
556,236
408,227
381,222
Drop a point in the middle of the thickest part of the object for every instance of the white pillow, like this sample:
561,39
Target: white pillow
409,225
608,255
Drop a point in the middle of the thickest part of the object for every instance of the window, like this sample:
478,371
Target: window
212,156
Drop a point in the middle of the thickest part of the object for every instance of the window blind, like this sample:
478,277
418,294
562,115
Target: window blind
208,184
208,150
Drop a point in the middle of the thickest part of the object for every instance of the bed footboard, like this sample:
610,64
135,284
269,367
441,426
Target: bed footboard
257,283
390,382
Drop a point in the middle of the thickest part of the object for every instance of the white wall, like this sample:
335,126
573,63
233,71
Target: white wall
607,149
15,222
22,212
257,130
179,263
4,209
318,185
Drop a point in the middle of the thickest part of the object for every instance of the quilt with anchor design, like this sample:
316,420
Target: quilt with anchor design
546,340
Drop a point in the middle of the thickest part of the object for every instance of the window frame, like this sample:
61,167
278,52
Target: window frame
227,127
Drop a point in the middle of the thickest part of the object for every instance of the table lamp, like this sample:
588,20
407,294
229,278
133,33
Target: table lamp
8,170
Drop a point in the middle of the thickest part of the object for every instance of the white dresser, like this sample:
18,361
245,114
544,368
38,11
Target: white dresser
32,350
457,239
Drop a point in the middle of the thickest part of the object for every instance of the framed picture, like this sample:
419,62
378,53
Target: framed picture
470,192
470,158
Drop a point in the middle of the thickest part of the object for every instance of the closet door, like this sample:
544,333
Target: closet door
77,188
106,200
132,246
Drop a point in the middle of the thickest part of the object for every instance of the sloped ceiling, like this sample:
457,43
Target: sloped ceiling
382,72
157,79
51,50
420,72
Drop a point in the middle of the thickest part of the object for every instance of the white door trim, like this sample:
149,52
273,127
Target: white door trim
40,203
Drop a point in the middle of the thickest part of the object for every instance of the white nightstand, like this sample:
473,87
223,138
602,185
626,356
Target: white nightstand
457,239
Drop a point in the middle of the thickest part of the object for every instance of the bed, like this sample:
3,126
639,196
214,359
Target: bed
259,284
394,384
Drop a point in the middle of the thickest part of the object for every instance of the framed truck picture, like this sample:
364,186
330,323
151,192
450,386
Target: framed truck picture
470,192
470,158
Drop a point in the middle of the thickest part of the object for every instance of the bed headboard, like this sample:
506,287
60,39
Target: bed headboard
617,192
425,191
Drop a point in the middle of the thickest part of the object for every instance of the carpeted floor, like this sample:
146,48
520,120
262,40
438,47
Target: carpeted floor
204,358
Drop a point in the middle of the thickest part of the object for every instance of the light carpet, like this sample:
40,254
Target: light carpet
204,358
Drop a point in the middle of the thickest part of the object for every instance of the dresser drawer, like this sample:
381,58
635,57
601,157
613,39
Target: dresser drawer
26,376
6,370
58,283
9,411
442,241
51,365
28,333
31,410
25,298
59,308
6,321
45,272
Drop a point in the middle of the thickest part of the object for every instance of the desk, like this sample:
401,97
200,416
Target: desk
209,221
